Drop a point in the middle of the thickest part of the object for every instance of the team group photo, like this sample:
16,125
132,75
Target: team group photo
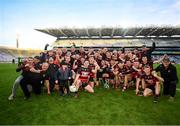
83,62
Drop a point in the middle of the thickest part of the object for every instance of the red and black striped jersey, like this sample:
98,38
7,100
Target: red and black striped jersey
84,74
91,67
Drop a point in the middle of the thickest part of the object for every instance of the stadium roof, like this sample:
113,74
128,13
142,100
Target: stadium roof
113,32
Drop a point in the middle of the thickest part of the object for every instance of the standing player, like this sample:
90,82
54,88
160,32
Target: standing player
148,51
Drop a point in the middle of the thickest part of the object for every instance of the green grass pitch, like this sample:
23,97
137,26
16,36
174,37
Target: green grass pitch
103,107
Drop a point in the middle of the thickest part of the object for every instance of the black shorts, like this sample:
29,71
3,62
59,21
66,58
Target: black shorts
84,84
99,75
91,79
152,87
111,77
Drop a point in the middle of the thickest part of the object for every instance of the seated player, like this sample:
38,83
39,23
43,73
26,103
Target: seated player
128,70
152,82
82,78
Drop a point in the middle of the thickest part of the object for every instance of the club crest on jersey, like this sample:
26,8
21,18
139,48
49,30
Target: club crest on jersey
85,73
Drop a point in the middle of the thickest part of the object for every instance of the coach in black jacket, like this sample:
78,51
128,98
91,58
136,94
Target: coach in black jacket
34,77
53,68
169,74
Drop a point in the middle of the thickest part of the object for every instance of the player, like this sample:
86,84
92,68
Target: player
152,82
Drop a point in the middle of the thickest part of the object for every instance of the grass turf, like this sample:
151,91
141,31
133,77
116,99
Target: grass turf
103,107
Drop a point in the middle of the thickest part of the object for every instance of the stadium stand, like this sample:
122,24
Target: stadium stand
167,38
113,32
7,54
115,36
